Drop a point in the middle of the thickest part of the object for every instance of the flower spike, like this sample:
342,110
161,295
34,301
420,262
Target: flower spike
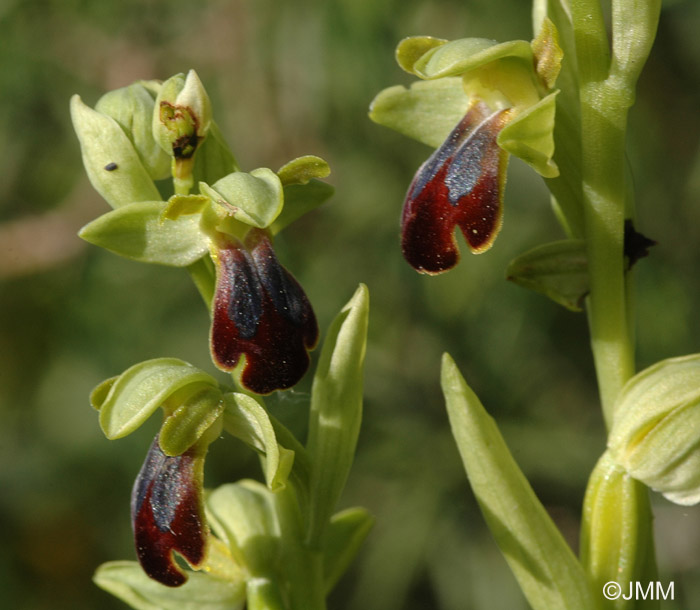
167,513
261,312
461,184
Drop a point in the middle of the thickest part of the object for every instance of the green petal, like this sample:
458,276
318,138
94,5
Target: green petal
559,270
255,198
411,49
427,111
109,157
243,515
347,532
336,410
190,419
299,199
459,56
245,419
140,232
303,169
127,581
546,569
530,136
142,389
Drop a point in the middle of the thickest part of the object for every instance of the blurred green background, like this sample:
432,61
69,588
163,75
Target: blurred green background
286,79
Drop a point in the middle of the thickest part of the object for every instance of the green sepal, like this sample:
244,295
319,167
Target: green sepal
336,411
617,544
247,420
547,571
255,198
195,414
346,533
654,433
140,232
558,270
110,159
214,158
299,199
303,169
142,389
132,107
243,516
427,111
530,136
127,581
457,57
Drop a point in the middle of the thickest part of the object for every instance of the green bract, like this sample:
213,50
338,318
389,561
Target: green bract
558,270
654,436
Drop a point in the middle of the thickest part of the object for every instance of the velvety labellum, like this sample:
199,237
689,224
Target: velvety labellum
260,311
167,514
459,185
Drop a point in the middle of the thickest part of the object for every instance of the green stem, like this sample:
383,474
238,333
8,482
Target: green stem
303,566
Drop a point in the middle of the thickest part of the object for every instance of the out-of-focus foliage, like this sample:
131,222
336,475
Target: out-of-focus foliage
287,79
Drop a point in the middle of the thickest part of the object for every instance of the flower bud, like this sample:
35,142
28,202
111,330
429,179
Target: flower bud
655,428
132,108
182,115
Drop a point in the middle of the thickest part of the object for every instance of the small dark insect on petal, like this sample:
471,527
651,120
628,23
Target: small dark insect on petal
261,312
460,185
110,167
167,513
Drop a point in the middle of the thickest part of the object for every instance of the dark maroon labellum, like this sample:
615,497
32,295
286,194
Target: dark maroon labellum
459,185
260,311
167,514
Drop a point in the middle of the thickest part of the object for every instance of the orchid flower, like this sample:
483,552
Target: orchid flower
478,102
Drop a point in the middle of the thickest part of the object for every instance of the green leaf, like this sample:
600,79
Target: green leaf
255,198
427,111
546,569
247,420
300,199
127,581
336,411
348,530
558,270
191,418
303,169
459,56
530,136
243,516
138,231
109,157
132,107
142,389
616,532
